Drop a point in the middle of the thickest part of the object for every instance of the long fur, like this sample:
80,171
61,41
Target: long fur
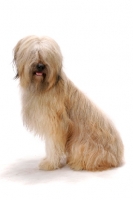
55,109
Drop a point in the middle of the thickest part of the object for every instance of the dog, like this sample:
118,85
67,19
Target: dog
75,131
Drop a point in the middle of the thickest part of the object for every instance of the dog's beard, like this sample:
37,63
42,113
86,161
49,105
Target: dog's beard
38,81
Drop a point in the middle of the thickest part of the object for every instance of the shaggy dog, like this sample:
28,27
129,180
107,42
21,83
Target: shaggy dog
54,108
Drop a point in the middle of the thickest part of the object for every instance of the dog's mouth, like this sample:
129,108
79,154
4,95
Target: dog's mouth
39,74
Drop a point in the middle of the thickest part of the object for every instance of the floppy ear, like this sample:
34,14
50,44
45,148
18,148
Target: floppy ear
15,51
16,76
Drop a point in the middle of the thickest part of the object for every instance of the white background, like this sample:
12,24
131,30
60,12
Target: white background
96,39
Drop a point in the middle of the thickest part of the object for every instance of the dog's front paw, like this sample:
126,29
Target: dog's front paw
47,165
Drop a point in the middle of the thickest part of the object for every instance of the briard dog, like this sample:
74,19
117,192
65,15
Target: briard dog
76,132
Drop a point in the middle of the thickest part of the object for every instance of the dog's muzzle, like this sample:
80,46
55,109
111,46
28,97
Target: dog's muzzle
40,69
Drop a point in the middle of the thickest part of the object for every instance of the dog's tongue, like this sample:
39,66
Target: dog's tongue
38,73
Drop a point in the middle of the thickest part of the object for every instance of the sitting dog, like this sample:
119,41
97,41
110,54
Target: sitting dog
54,108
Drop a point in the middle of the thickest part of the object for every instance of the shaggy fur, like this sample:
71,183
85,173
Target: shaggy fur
55,109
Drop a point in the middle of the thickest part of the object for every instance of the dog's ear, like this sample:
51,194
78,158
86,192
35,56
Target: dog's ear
59,78
16,76
15,51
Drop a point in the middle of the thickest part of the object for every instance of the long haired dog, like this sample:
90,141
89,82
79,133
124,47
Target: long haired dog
55,109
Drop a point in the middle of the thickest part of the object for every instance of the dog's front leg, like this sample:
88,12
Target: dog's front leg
55,152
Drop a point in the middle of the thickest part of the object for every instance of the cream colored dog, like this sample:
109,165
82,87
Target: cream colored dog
55,109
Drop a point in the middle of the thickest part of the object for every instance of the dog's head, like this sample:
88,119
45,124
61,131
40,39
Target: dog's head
38,61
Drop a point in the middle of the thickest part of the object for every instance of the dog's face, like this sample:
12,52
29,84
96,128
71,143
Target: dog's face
38,62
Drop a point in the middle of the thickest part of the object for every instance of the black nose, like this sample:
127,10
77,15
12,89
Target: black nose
40,67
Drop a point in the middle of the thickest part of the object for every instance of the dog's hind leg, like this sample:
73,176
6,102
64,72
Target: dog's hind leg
95,158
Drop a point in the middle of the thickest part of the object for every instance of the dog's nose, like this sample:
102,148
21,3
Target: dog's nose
40,67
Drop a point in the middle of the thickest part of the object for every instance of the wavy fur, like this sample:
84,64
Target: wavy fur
55,109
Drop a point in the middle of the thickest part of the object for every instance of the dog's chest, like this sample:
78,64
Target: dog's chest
36,115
